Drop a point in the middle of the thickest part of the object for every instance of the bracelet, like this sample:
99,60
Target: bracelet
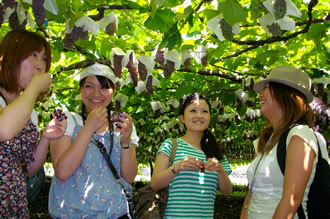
172,169
127,147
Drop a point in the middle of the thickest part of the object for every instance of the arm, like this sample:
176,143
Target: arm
244,211
299,164
128,165
224,182
55,129
67,155
16,114
163,174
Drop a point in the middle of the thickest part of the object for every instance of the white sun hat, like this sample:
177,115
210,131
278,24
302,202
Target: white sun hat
289,76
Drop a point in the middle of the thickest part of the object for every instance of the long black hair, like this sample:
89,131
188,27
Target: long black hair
105,83
209,144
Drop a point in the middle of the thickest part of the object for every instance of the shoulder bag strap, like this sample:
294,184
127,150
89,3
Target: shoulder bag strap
173,151
281,156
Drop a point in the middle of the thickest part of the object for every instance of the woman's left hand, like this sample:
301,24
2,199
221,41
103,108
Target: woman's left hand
55,129
125,127
213,165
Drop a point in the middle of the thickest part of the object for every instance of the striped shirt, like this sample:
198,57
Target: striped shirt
191,193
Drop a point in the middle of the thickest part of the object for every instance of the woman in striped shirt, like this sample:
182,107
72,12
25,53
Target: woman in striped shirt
199,167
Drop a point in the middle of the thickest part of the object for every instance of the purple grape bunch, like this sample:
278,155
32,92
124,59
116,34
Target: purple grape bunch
116,117
59,114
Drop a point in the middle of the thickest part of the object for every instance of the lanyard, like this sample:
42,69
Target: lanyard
255,174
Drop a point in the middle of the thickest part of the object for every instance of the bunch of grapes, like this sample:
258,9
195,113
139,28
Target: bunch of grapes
204,60
110,29
14,22
116,117
132,70
117,105
39,11
279,9
169,68
160,57
2,13
172,109
76,33
9,3
274,29
187,62
149,85
142,71
117,64
59,114
226,29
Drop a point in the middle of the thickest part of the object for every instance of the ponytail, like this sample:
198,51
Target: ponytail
210,146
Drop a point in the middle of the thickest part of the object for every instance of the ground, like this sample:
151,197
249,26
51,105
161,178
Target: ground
225,208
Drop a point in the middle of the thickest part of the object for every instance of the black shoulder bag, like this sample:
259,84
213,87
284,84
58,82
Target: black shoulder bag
129,196
319,193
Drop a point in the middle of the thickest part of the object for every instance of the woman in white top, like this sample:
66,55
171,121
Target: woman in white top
284,99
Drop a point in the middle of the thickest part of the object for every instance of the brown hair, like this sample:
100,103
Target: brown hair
294,106
16,46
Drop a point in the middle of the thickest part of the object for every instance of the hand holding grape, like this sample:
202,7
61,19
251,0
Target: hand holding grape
57,126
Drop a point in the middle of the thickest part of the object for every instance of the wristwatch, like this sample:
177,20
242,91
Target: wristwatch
172,169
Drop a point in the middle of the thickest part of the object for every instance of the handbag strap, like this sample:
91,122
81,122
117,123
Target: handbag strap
173,151
281,156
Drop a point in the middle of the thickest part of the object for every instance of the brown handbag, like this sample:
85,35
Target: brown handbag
151,204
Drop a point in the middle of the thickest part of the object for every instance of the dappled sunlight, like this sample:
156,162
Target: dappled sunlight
88,187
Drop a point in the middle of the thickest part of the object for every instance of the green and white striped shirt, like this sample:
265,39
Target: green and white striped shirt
191,193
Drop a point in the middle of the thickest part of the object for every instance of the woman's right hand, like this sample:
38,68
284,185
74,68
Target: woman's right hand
189,163
41,82
97,118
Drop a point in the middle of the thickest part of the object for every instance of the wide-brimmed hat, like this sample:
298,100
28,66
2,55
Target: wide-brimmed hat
289,76
98,69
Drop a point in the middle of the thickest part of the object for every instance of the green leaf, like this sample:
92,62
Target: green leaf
161,21
232,11
184,88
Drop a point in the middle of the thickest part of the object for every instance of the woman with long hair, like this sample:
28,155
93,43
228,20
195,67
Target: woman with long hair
199,167
284,102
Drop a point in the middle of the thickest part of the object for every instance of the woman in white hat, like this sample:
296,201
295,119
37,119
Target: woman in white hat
84,185
284,100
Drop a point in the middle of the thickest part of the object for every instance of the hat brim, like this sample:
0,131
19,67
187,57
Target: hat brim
259,86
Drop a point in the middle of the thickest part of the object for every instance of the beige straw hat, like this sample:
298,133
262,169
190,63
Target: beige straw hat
289,76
